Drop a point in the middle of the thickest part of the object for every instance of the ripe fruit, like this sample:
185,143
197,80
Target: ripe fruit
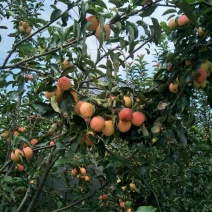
22,129
16,155
199,85
107,32
88,141
124,126
122,205
58,94
34,141
28,77
5,135
51,143
87,178
28,30
21,29
173,24
108,129
127,101
87,110
75,96
16,133
126,114
74,172
200,76
28,153
132,186
64,83
66,64
104,196
77,107
97,123
138,118
173,87
82,171
201,32
129,210
123,188
207,66
94,23
19,167
183,20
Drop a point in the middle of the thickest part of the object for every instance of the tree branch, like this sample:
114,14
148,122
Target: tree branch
77,202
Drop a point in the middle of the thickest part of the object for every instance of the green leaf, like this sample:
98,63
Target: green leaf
185,156
169,11
203,147
146,209
54,104
55,14
148,11
118,3
156,30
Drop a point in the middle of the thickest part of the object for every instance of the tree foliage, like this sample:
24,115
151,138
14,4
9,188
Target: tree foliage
163,164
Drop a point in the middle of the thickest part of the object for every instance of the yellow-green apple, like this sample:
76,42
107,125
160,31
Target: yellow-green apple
16,155
207,66
127,101
173,87
87,110
199,85
173,24
108,129
124,126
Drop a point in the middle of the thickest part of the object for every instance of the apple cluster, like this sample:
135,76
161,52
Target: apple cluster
81,173
24,27
95,27
199,77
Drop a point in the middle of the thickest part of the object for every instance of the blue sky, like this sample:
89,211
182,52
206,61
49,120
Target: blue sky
6,43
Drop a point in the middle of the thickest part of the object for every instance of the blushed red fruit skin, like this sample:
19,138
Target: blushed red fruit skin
122,205
104,196
28,153
107,32
126,114
200,76
183,20
97,123
20,167
138,118
64,83
77,107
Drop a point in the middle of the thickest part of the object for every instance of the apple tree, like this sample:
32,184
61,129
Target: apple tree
85,126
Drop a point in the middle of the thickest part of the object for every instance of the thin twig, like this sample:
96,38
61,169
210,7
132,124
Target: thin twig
81,200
